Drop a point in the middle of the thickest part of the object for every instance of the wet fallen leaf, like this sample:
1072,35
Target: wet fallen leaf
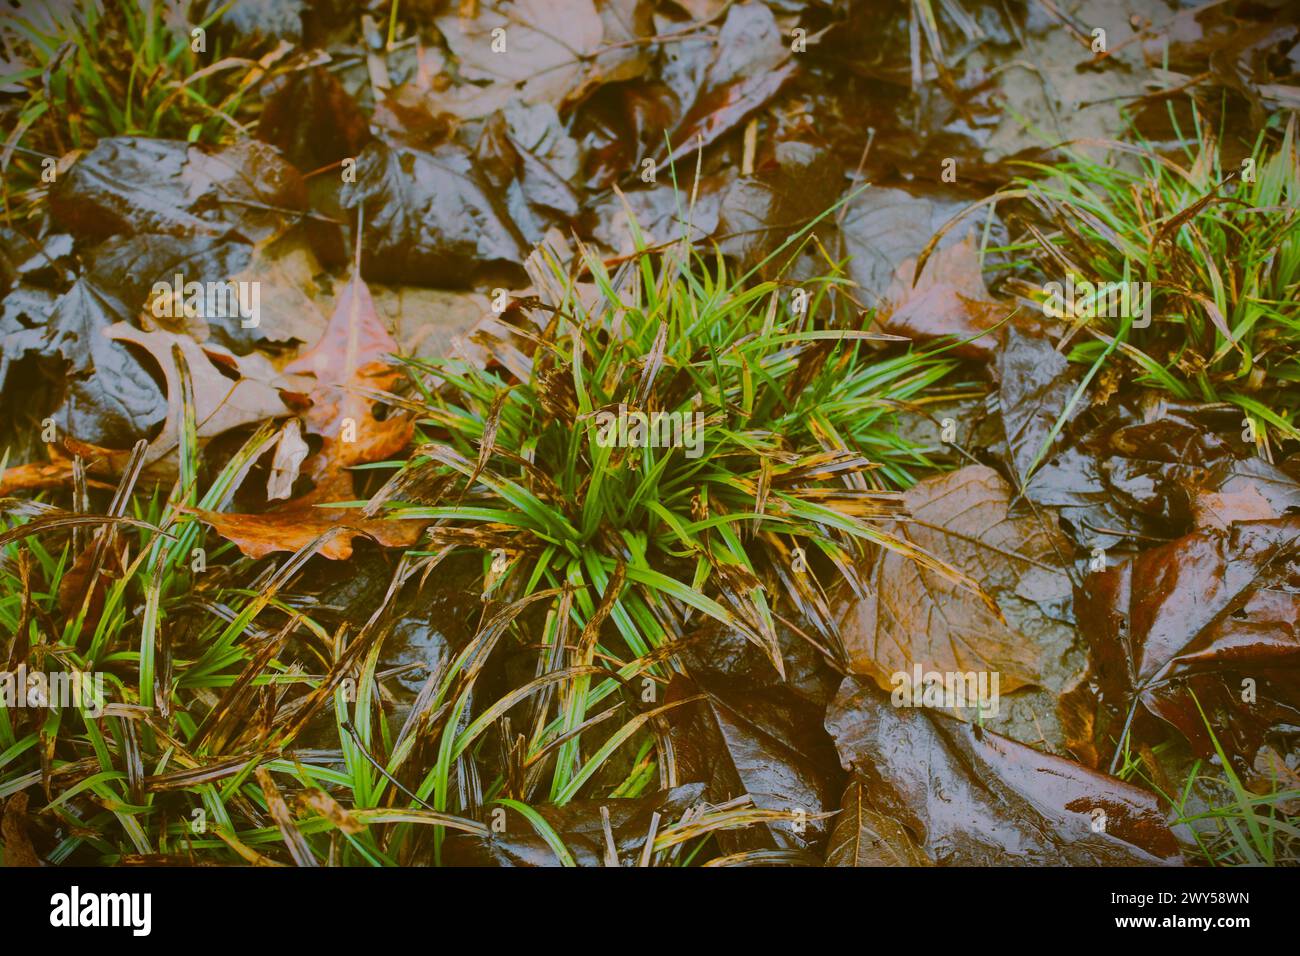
748,65
1210,619
351,367
865,837
529,157
312,120
949,301
296,526
77,589
974,798
290,450
346,374
554,51
885,226
760,211
266,18
1035,385
1247,489
229,391
131,184
429,217
36,476
660,215
913,617
1128,473
769,744
110,398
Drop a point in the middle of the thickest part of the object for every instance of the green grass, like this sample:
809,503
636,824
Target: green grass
1229,824
111,69
627,549
1222,256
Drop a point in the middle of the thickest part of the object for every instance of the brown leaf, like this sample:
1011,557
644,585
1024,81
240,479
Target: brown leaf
1250,489
1200,616
76,580
1130,472
976,798
950,299
767,743
915,617
1035,385
36,476
293,528
220,404
350,369
290,450
17,845
242,395
865,837
313,121
751,63
557,49
351,362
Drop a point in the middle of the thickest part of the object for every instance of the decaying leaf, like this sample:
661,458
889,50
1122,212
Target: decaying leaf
294,527
1131,470
130,184
949,301
865,837
884,226
245,396
347,373
554,51
429,217
290,450
769,744
914,617
351,367
751,64
974,798
312,120
1035,385
17,848
1204,628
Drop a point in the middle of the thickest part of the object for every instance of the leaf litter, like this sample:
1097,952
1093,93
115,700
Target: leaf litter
1120,559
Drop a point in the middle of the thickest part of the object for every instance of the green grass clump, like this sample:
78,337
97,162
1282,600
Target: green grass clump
629,548
1221,254
97,70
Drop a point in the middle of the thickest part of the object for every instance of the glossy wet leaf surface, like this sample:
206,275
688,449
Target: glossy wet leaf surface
971,797
1203,625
